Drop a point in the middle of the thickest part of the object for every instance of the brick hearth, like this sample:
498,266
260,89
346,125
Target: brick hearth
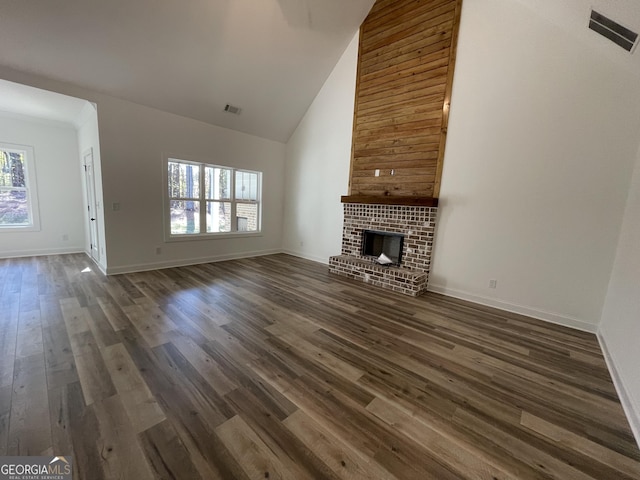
416,223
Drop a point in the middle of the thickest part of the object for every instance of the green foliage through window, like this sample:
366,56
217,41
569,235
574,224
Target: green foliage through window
212,199
14,206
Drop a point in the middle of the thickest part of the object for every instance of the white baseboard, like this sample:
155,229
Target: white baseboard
39,252
96,263
630,408
306,256
142,267
515,308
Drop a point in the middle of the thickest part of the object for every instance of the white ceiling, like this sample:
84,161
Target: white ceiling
269,57
192,57
34,102
573,17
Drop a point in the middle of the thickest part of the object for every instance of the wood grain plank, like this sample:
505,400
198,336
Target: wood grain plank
400,115
521,450
204,364
79,422
9,315
411,90
204,400
167,454
408,64
5,414
100,326
151,323
29,337
425,75
141,407
29,427
120,451
92,371
61,367
330,378
114,313
308,350
74,316
419,21
208,453
62,442
290,451
257,460
419,134
342,459
405,69
461,460
622,464
425,43
386,14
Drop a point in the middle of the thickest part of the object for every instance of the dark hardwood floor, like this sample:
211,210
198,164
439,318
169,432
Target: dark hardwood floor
272,368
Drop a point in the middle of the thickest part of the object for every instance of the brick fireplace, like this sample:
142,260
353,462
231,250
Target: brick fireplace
416,223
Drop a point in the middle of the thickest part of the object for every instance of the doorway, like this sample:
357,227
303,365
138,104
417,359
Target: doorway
92,214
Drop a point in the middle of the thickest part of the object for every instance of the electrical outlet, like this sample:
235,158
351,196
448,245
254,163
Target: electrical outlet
301,243
158,251
377,172
493,283
65,237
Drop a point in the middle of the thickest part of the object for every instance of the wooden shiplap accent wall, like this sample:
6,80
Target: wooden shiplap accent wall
405,72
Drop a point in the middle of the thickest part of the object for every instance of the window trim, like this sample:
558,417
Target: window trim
185,237
31,189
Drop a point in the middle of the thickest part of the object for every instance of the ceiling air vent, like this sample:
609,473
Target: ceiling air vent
613,31
231,109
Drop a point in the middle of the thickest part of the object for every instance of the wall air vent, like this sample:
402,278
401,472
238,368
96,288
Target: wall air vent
231,109
613,31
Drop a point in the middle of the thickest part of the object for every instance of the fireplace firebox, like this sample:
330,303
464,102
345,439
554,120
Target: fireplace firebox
417,224
375,242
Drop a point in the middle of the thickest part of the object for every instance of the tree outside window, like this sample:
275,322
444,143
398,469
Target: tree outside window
209,199
16,195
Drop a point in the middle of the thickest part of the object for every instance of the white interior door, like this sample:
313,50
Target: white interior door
92,216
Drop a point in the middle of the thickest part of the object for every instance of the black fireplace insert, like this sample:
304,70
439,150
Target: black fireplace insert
375,243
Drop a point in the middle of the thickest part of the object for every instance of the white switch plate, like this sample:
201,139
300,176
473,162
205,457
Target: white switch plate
377,172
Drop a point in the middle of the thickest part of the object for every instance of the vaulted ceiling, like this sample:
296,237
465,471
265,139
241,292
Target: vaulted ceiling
573,17
192,57
268,57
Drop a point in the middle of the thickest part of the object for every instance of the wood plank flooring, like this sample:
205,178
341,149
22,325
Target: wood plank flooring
272,368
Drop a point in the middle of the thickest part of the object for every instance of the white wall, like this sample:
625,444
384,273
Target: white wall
133,139
317,167
89,139
58,184
542,139
620,327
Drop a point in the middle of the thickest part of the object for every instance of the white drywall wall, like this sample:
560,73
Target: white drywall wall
133,140
317,167
620,326
89,139
58,184
542,139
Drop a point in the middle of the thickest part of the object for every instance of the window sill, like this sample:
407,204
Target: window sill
210,236
19,228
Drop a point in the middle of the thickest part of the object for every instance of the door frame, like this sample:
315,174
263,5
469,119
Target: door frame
92,211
